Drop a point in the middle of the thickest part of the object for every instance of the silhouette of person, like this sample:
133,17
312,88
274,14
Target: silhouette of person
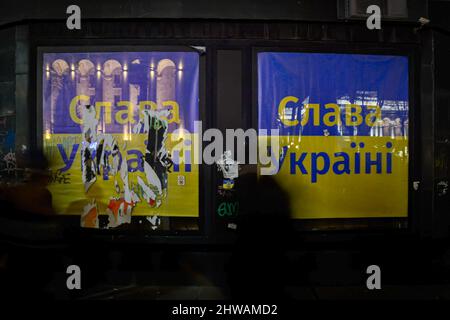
258,265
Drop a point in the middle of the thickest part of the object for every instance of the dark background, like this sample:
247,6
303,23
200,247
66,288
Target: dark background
326,263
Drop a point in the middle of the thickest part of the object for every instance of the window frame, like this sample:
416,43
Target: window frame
73,221
409,223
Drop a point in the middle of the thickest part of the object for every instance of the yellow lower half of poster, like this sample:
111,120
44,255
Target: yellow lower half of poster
345,177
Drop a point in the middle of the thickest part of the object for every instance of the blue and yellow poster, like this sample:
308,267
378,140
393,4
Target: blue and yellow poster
343,128
109,120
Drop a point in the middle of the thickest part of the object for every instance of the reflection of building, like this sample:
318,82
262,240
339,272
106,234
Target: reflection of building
111,87
59,68
231,36
107,82
112,80
165,83
86,82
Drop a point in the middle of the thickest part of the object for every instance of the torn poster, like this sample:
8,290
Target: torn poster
229,169
108,121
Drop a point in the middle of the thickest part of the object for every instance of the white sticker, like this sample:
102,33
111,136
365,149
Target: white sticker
229,167
181,180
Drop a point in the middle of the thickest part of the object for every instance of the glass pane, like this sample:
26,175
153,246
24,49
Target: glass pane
118,127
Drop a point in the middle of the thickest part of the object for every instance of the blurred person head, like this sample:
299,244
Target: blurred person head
31,195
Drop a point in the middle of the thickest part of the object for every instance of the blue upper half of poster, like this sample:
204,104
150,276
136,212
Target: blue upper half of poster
329,78
123,81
